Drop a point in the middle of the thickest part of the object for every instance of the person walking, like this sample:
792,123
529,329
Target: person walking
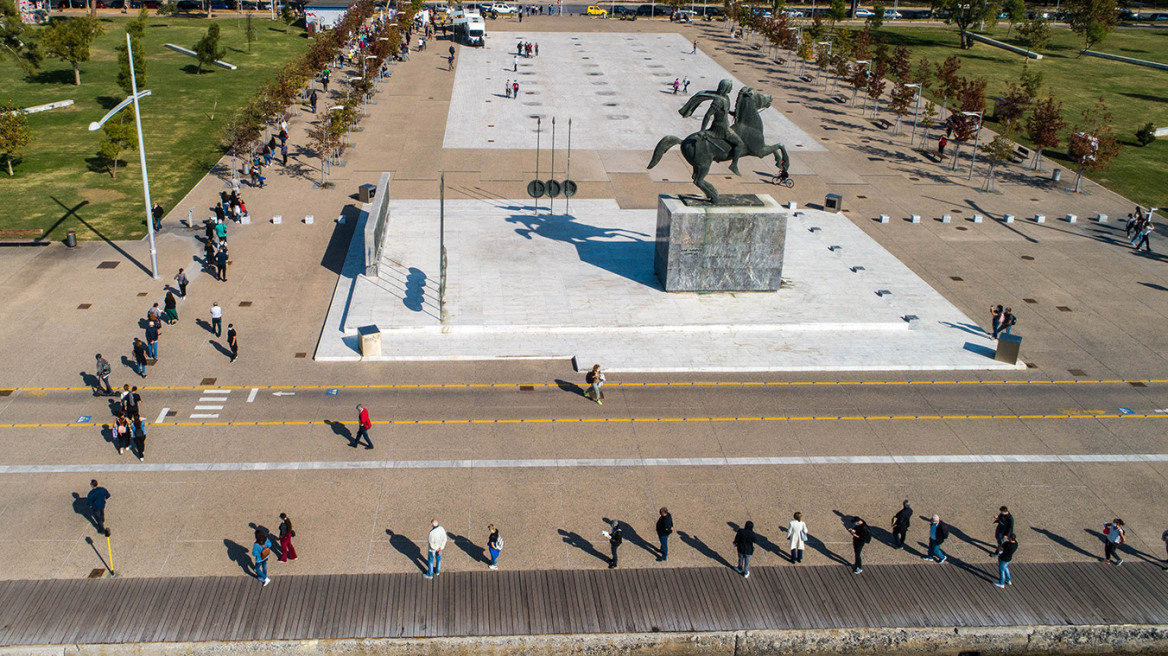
232,341
515,89
941,146
156,213
615,539
861,536
139,431
996,319
685,85
171,306
595,379
287,551
363,426
744,541
938,533
152,339
494,545
450,62
312,101
96,499
1005,553
1113,536
1145,233
130,401
284,153
664,530
507,88
900,522
216,318
695,48
797,533
676,85
1003,526
515,65
221,261
183,281
122,431
154,314
103,374
260,552
140,357
436,542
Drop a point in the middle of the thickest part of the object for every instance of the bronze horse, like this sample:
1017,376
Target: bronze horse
701,150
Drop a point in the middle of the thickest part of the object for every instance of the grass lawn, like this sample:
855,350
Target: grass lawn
60,185
1134,94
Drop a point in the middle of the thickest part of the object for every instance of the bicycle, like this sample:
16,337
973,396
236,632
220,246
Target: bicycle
783,178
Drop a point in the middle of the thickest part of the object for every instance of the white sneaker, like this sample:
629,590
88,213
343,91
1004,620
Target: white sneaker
266,582
492,567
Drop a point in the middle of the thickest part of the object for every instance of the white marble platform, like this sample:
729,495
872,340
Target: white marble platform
582,284
614,87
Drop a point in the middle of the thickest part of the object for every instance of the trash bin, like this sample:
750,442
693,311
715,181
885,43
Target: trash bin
1056,175
833,202
1008,346
366,192
71,239
370,340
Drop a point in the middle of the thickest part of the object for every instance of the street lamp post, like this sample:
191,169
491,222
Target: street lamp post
977,136
867,67
822,70
93,127
917,112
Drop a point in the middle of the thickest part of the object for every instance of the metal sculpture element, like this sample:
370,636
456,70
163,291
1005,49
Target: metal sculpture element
719,140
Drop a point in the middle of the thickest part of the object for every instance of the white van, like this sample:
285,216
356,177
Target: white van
476,32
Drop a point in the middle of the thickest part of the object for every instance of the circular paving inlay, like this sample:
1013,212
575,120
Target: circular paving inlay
594,74
617,117
606,93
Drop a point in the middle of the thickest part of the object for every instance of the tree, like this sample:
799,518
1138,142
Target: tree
15,135
876,20
207,50
1092,19
287,15
971,111
1145,136
1015,12
816,29
877,83
837,12
1034,34
964,13
998,151
1044,126
137,30
1030,80
948,81
120,136
902,96
249,31
68,39
928,120
16,42
924,74
1013,106
1093,144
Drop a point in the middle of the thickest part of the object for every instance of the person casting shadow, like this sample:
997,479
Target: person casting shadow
630,535
762,542
476,553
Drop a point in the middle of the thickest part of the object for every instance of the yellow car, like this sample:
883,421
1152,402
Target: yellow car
593,10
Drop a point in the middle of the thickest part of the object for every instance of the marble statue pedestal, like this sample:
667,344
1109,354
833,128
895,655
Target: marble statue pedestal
720,248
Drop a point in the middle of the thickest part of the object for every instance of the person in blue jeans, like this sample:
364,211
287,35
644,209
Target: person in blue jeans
1005,555
494,546
938,533
664,529
260,552
436,542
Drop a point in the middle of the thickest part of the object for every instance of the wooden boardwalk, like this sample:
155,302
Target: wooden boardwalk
486,603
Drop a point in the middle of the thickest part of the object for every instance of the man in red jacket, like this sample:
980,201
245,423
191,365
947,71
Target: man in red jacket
363,426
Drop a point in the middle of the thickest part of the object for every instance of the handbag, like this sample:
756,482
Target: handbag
265,553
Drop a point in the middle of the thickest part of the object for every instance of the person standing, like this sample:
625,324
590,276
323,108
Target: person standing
1113,535
1005,553
515,89
287,551
221,261
996,319
595,379
130,401
676,85
797,532
494,545
938,533
695,48
171,306
436,542
1142,238
284,151
515,65
363,426
152,339
156,213
900,522
103,374
154,314
216,318
941,146
507,88
615,539
685,85
233,341
312,101
1003,526
861,536
744,541
664,530
140,357
1008,321
96,499
260,552
183,281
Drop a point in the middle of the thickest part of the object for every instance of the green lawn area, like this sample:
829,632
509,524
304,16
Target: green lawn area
1134,94
60,170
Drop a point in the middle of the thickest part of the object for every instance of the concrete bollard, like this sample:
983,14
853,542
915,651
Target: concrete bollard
245,219
308,219
1040,218
1009,218
792,205
977,218
1102,218
945,218
884,218
915,218
1071,218
278,219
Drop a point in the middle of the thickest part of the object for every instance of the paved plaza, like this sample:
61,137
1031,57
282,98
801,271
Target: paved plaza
697,416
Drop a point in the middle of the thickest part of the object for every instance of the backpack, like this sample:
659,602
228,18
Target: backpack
942,531
590,377
103,369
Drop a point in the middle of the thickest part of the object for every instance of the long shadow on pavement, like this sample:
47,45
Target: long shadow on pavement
409,549
240,555
701,547
575,540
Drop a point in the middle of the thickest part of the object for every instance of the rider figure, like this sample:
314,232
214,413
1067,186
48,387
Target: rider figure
717,118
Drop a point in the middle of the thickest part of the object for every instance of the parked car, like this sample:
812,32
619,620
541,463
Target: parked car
892,14
593,10
792,13
758,11
622,11
684,16
654,10
864,13
503,8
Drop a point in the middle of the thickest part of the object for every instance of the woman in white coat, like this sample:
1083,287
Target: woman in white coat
797,532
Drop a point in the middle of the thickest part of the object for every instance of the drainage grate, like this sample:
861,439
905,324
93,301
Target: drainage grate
140,294
1062,308
84,306
245,304
527,388
1031,365
1076,372
302,354
96,573
915,179
208,382
172,413
1136,383
862,197
1031,301
957,278
108,265
1028,258
6,392
963,228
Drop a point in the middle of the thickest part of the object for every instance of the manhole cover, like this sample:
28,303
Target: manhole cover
84,306
617,117
207,382
302,354
527,388
862,197
143,293
108,265
1030,301
96,573
1063,308
1028,258
245,304
915,179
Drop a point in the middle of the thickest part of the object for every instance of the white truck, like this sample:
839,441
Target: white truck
469,27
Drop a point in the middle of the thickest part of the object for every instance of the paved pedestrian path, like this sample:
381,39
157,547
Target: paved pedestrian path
486,603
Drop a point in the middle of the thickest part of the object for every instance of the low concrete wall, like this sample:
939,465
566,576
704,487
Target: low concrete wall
1004,46
1126,60
1071,640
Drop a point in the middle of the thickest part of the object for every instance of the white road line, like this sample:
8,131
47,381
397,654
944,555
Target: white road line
216,391
162,416
204,416
208,407
252,395
212,399
969,459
